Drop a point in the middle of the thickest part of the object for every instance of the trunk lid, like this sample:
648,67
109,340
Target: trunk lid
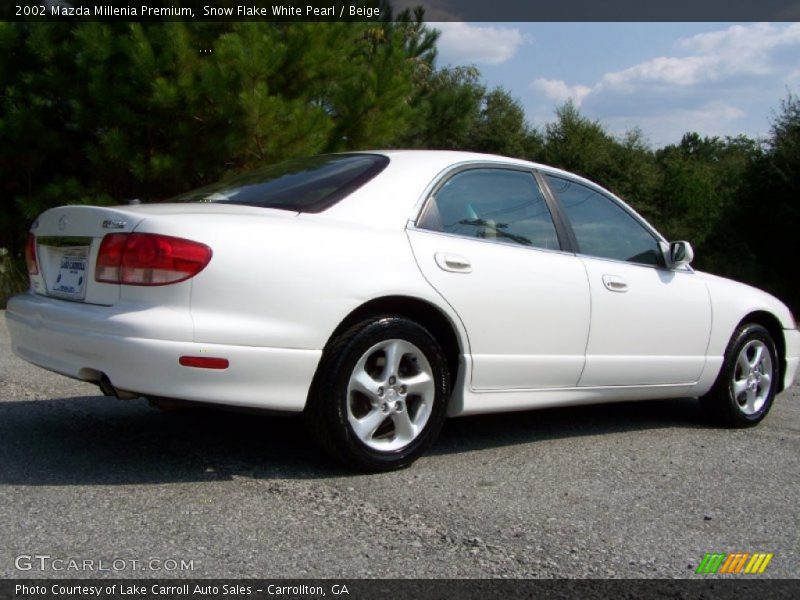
68,239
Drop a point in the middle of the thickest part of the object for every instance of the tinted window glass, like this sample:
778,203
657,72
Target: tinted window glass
305,184
492,204
602,227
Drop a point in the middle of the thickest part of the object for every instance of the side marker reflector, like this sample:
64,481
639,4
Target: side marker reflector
204,362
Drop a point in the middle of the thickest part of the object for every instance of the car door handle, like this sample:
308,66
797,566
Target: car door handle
453,263
614,283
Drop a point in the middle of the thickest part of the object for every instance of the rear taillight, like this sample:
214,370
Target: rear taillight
149,259
109,258
30,255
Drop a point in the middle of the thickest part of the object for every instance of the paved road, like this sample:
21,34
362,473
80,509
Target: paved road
628,490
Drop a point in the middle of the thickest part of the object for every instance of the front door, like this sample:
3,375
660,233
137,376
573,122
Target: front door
487,243
650,324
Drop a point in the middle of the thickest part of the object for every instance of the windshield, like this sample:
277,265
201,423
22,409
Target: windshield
304,184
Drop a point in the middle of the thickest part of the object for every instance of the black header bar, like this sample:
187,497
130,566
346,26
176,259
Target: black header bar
378,10
710,588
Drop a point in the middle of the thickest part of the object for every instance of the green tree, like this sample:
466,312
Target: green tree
582,145
577,143
767,218
701,179
370,95
501,127
446,107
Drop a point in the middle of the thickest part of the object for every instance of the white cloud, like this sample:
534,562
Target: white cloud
464,43
740,50
558,91
708,85
666,70
744,40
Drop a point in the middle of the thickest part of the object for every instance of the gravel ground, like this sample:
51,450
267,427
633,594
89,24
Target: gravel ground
624,490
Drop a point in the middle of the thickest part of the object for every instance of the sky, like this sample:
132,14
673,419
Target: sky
719,79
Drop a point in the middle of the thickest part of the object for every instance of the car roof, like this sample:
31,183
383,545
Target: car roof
446,158
393,197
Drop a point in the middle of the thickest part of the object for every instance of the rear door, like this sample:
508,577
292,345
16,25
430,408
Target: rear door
650,324
487,242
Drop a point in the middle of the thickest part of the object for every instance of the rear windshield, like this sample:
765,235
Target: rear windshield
304,184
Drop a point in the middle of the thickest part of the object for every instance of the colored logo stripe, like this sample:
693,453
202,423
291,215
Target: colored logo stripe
734,563
759,562
710,563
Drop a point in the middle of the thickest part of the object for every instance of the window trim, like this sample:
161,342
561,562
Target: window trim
557,212
562,233
659,239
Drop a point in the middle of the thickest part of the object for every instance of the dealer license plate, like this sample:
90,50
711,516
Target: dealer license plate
71,279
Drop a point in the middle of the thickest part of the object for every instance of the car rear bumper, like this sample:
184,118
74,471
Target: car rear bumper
138,350
792,338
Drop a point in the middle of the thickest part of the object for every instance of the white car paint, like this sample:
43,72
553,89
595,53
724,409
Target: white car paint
654,331
535,328
499,302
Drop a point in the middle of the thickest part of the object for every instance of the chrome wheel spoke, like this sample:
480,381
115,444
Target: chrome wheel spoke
362,382
739,387
395,350
759,353
743,362
420,384
766,381
404,429
750,402
365,428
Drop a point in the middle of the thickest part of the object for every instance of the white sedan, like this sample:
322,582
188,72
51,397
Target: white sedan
380,292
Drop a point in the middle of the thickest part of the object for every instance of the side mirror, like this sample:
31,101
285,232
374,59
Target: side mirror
679,254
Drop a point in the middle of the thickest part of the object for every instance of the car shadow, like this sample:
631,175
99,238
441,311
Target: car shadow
102,441
504,429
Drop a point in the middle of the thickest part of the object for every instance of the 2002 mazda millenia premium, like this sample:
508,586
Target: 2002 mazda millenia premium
378,292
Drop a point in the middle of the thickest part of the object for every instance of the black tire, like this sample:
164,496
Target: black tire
331,402
725,406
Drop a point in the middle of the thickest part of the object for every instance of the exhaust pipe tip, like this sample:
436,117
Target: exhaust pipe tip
106,386
108,389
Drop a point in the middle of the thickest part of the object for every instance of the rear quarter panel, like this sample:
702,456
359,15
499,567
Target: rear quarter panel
288,283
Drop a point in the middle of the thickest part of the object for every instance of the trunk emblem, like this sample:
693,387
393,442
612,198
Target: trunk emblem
113,224
62,223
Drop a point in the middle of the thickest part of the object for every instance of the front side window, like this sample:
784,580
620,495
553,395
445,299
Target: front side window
303,185
499,205
602,227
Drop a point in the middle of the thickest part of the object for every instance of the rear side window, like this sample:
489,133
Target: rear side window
500,205
602,227
304,185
